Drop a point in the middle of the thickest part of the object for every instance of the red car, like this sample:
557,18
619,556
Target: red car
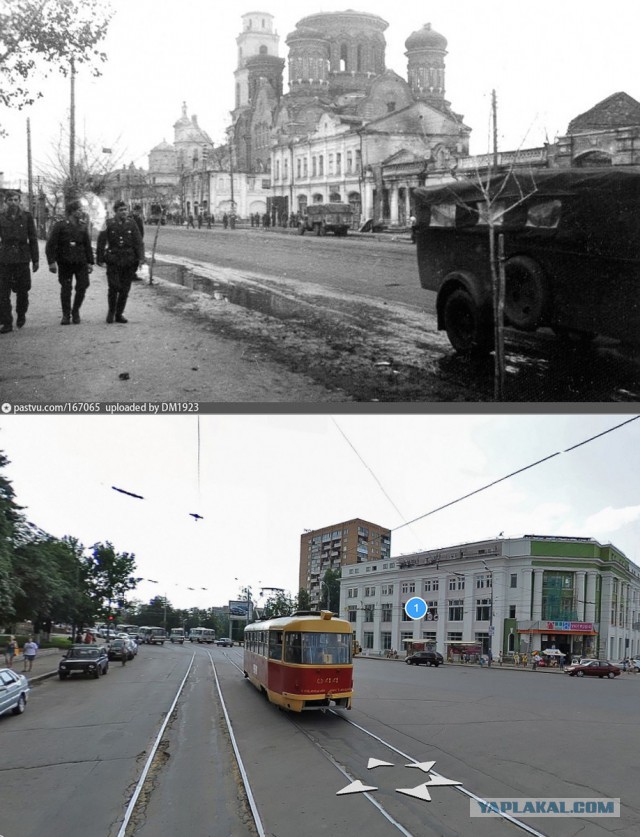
593,668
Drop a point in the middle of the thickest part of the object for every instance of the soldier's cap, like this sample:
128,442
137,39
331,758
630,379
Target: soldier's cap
118,204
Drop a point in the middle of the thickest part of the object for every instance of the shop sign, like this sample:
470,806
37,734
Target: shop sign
581,627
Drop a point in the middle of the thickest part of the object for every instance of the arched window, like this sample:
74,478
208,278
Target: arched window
321,165
359,55
264,50
343,58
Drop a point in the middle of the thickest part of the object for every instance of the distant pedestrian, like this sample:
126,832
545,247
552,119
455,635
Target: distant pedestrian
120,247
535,661
10,651
70,255
516,660
225,221
208,222
190,222
199,220
29,653
232,220
18,247
413,221
500,658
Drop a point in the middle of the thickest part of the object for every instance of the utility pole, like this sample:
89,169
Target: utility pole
72,124
494,119
29,169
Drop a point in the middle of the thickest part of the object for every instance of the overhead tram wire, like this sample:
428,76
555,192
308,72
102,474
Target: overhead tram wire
515,473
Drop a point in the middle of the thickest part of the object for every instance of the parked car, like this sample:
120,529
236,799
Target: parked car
425,658
121,649
571,253
14,691
84,659
593,668
226,641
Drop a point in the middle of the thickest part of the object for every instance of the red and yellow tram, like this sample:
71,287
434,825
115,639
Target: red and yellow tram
301,661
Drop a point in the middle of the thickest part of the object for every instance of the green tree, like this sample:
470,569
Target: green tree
39,35
12,522
280,604
303,600
330,594
110,577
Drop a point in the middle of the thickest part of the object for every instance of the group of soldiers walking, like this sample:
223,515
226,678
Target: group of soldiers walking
69,254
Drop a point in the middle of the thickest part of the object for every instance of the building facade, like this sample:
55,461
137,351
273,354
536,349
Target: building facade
504,595
338,546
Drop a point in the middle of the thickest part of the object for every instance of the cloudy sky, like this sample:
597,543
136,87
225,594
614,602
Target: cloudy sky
548,62
260,480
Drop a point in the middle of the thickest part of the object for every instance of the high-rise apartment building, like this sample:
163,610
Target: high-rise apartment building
335,546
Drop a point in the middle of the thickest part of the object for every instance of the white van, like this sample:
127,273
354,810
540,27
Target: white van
177,635
202,635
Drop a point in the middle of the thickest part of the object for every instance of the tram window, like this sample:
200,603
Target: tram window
275,645
292,647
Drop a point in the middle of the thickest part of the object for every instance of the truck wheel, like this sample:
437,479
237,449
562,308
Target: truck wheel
526,294
463,324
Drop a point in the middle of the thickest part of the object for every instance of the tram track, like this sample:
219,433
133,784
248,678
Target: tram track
322,743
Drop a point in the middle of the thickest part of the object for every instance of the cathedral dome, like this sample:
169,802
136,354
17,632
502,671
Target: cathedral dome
425,38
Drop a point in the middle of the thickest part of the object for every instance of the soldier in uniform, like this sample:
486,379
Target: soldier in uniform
69,245
18,247
120,247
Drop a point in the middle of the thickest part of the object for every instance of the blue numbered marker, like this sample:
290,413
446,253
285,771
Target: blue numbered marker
416,608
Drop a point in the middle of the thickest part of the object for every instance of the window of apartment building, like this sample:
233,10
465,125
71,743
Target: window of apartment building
433,609
352,614
286,168
483,581
367,640
363,531
387,589
338,163
358,160
405,618
512,611
385,641
387,613
313,166
277,169
456,610
456,582
335,535
513,580
305,168
369,591
298,167
431,585
454,636
408,587
349,162
368,613
483,610
330,163
352,592
321,165
557,595
429,636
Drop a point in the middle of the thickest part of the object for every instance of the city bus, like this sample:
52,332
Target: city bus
301,662
152,635
201,635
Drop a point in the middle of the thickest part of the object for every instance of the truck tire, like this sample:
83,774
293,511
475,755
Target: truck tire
464,326
526,293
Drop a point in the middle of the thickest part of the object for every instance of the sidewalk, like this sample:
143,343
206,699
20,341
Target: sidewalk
173,349
45,664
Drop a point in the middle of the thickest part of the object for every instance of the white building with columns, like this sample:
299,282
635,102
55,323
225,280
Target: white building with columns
507,595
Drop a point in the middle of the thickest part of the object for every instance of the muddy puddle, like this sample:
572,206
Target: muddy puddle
255,299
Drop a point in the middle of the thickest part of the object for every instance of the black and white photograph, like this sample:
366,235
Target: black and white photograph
213,203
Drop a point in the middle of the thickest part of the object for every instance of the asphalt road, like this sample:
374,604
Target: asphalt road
71,762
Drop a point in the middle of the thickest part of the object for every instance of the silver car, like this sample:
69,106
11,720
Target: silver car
14,691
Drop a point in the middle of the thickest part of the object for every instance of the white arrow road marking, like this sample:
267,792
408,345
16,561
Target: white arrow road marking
379,763
425,766
419,792
356,787
441,781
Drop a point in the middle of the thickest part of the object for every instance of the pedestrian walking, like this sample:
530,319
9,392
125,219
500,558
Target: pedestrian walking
516,660
70,255
18,247
10,651
190,222
199,220
225,220
208,222
29,653
120,247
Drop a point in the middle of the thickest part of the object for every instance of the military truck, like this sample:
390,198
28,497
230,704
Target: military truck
326,217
